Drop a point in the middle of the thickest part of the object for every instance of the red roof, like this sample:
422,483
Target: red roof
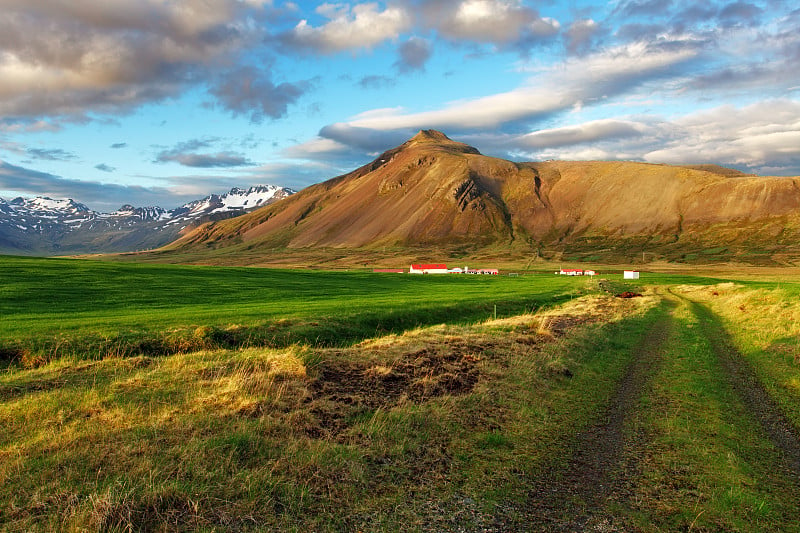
427,267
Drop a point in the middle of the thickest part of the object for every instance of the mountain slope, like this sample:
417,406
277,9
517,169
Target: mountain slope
45,226
436,193
420,192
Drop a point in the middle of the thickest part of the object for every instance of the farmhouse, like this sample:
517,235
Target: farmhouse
630,274
570,272
428,269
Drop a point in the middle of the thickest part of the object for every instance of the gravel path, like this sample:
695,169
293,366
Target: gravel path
601,472
602,458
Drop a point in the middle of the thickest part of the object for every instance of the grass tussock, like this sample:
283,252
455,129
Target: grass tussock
430,429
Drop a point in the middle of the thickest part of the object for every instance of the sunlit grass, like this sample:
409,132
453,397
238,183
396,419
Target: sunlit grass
765,324
388,432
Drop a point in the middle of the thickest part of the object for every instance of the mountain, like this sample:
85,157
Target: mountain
433,193
46,226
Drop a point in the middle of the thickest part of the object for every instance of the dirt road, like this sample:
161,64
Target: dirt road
618,473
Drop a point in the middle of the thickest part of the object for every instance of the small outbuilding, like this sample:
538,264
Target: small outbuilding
630,274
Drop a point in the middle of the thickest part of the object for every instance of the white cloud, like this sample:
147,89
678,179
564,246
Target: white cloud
580,34
579,80
71,58
314,148
583,133
503,23
499,22
362,26
763,137
765,134
490,20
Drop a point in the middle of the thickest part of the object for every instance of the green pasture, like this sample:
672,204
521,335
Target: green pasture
56,307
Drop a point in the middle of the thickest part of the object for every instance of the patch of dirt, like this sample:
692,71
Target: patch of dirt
629,294
344,388
559,325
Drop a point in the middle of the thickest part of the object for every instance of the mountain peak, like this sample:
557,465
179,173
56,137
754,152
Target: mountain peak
436,137
431,135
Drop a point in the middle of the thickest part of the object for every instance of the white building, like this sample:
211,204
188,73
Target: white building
630,274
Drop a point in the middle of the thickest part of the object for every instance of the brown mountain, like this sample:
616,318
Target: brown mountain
433,192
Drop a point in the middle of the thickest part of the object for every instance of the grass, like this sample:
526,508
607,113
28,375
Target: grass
429,429
764,322
255,399
54,308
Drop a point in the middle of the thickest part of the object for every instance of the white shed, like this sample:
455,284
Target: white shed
630,274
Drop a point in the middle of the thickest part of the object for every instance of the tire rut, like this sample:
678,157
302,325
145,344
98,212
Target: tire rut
784,435
603,457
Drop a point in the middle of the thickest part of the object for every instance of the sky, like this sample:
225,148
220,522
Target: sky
160,102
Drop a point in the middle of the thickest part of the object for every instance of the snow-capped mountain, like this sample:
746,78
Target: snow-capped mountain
140,213
49,207
236,201
44,226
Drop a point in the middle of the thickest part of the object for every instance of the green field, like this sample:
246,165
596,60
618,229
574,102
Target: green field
57,307
174,398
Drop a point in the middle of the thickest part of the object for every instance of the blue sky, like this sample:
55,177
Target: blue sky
157,102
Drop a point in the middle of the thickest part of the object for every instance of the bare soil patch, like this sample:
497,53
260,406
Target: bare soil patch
629,294
343,388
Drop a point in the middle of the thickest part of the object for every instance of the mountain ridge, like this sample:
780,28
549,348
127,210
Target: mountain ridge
435,193
42,225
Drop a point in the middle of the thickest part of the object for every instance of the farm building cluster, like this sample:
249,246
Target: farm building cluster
627,274
439,269
442,269
576,272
